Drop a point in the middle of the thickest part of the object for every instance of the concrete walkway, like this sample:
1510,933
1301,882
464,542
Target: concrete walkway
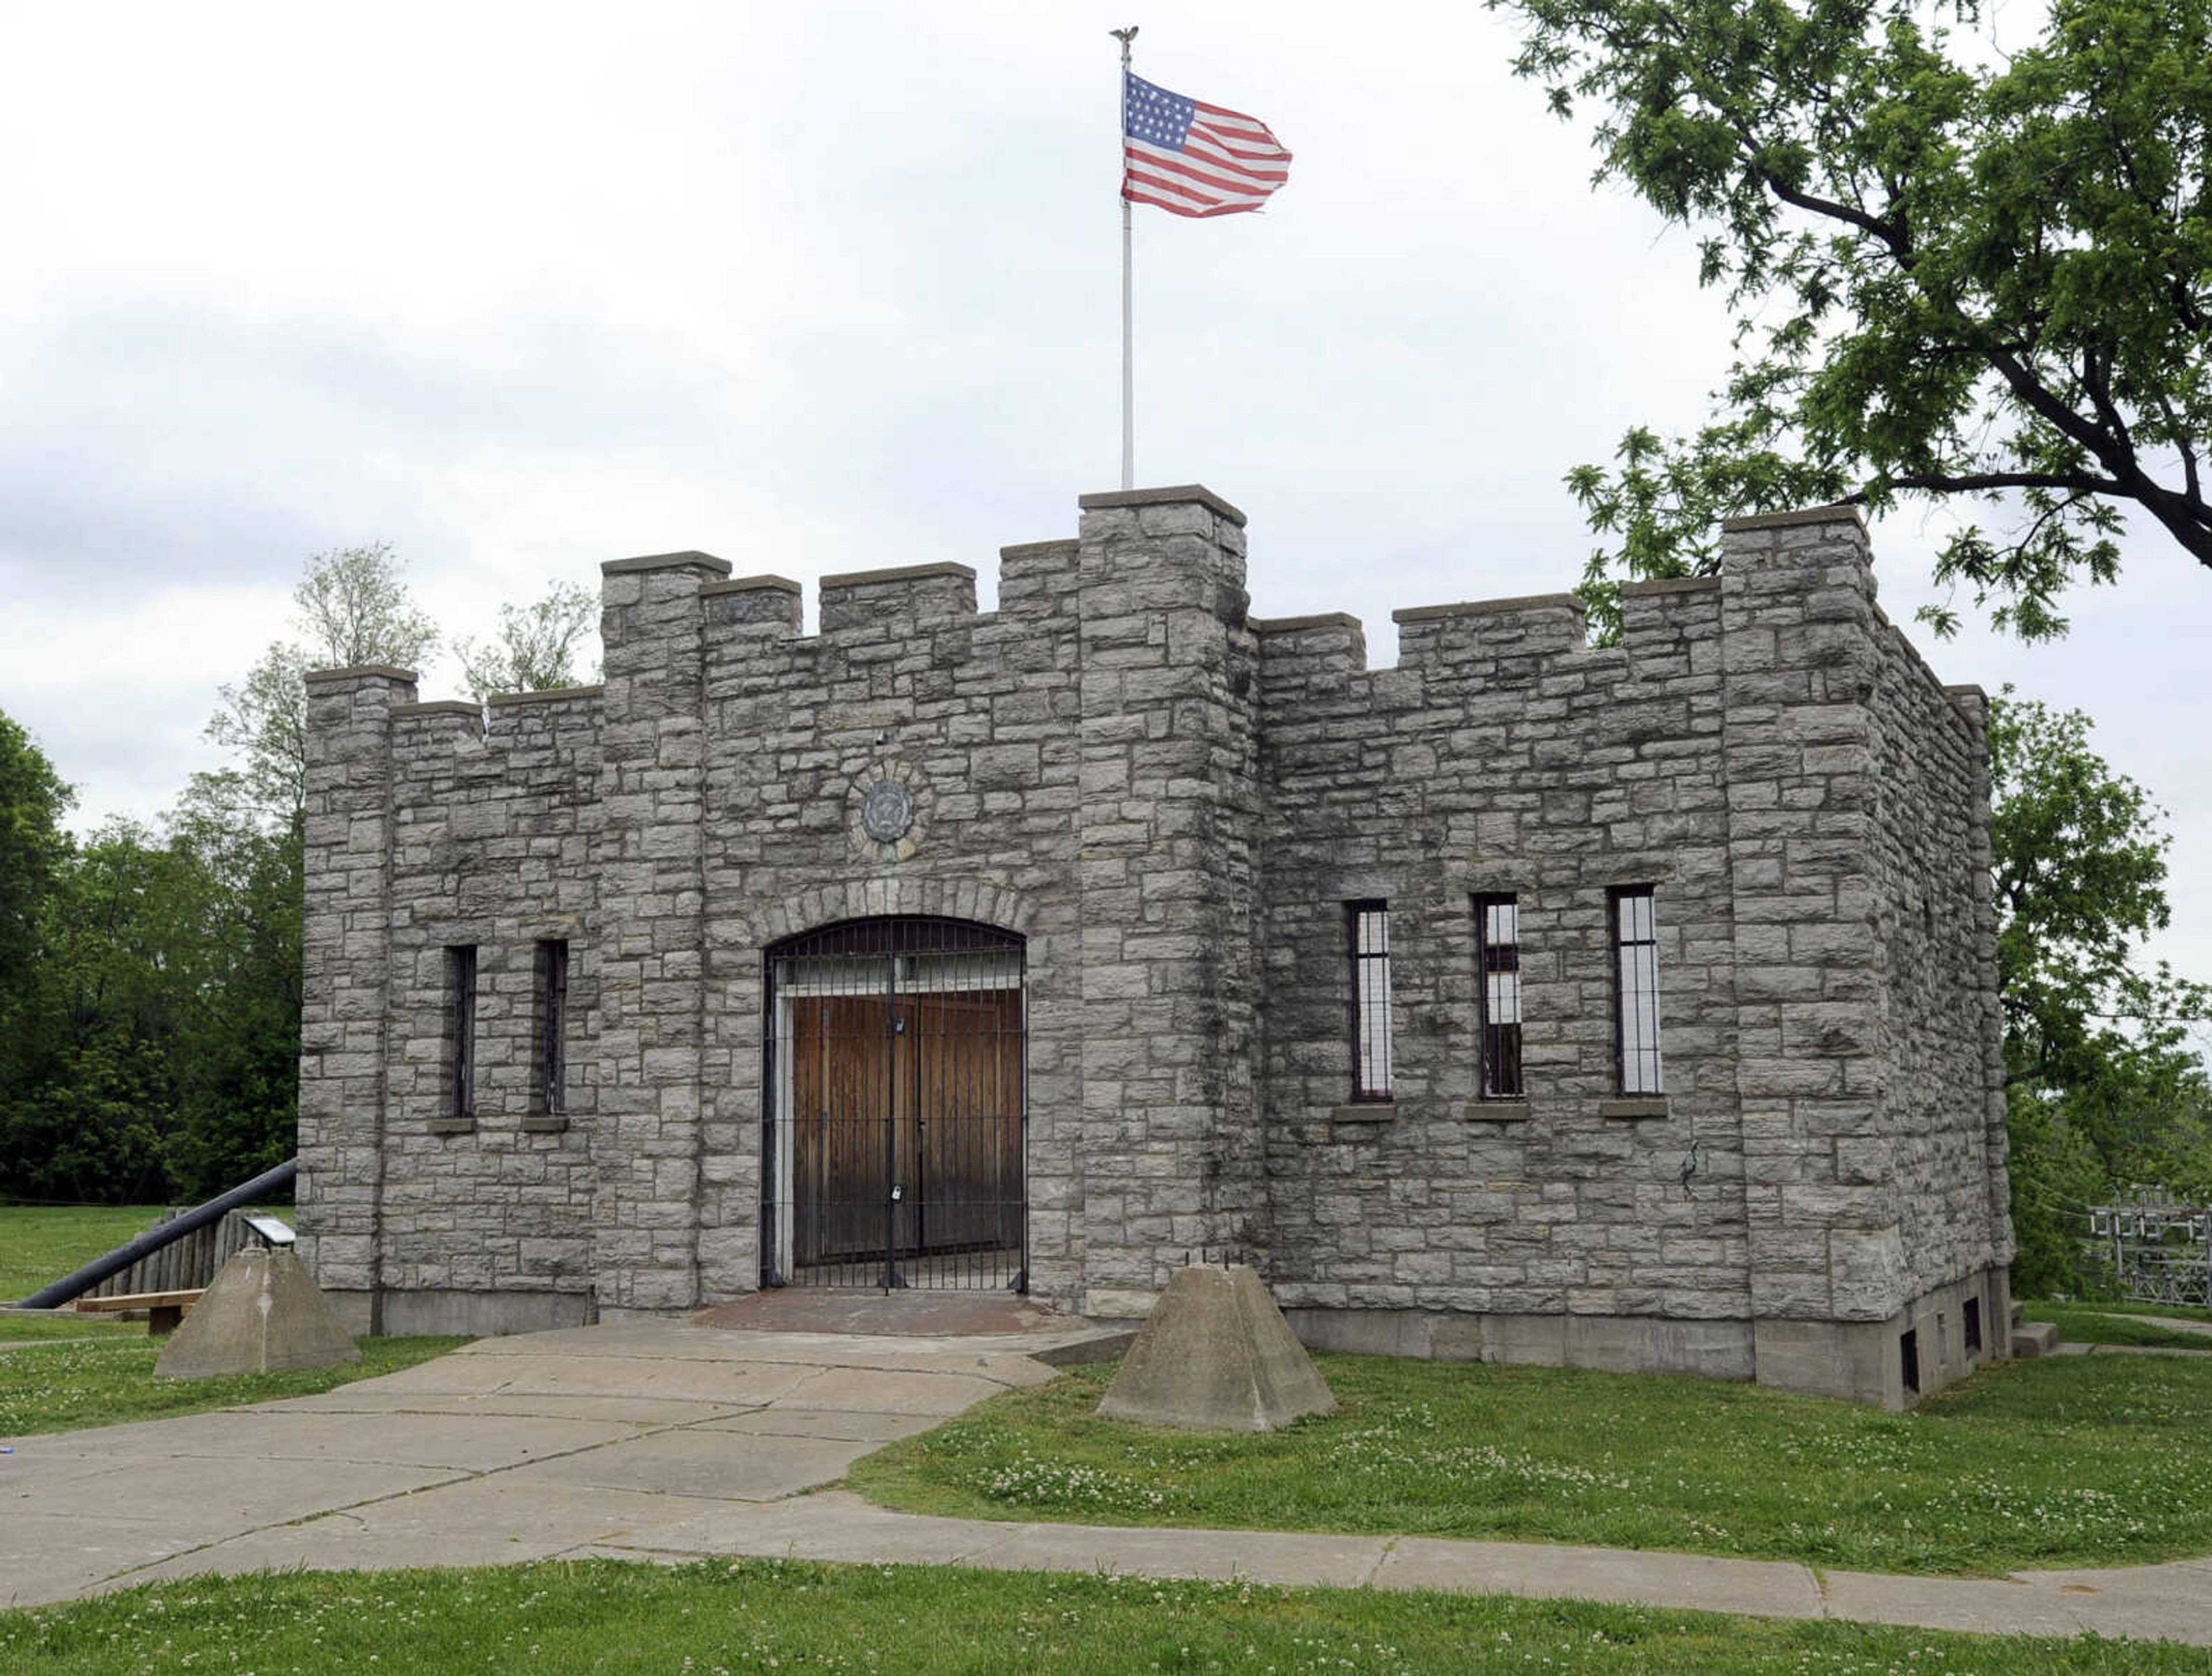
656,1440
2171,1323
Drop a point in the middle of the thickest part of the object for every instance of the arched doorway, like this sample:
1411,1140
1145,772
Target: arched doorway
896,1107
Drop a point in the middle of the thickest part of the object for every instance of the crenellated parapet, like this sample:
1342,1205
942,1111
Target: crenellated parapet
1499,647
1488,637
765,605
899,600
1037,579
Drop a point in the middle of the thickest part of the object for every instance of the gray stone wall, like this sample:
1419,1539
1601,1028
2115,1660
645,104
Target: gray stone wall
491,838
648,1031
1169,1159
978,716
1501,756
1798,649
344,1011
1173,803
1936,924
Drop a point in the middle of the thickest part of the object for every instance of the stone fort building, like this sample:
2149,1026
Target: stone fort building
1629,1007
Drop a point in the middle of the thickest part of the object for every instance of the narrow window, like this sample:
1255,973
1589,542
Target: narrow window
461,972
1497,963
1369,926
1636,985
552,1010
1908,1355
1970,1322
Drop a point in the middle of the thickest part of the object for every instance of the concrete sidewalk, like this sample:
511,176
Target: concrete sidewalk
660,1440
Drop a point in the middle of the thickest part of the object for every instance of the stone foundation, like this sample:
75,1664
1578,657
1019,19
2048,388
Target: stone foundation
1858,1361
478,1314
1864,1361
1614,1343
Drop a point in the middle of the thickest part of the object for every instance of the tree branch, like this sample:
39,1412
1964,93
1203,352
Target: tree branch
1897,238
2080,484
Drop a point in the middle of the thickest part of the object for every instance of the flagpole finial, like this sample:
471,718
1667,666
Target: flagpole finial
1125,36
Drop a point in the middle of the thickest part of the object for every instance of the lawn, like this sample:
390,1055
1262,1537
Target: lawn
2179,1311
717,1617
105,1381
39,1244
2069,1462
72,1371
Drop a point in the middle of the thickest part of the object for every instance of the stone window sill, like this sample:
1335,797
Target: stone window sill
1364,1110
544,1123
452,1126
1496,1110
1642,1105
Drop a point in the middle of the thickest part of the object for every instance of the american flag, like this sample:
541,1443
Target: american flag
1194,159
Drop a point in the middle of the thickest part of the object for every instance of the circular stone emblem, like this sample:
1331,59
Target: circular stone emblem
887,812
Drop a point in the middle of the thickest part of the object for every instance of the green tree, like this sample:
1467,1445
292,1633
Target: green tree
237,1083
1990,286
149,980
33,849
233,848
35,857
537,647
350,608
236,835
263,721
89,1117
2104,1088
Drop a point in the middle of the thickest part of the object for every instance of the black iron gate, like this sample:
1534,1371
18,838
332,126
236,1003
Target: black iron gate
895,1109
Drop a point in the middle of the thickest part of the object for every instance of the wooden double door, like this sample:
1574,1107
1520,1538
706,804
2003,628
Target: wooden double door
900,1109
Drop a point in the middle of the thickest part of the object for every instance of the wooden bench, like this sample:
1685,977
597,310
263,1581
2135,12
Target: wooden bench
165,1311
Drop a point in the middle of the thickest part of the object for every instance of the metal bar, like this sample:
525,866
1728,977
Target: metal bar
940,1000
890,1122
70,1286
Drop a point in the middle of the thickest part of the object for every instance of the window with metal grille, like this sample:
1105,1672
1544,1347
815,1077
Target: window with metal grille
1497,964
1636,988
461,983
552,1026
1368,925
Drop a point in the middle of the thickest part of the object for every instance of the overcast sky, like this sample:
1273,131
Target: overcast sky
824,287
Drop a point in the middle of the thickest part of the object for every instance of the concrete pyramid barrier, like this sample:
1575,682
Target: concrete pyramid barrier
262,1313
1216,1354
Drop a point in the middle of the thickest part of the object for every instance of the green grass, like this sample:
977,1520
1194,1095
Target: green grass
41,1244
2070,1461
2105,1324
63,1375
2180,1312
107,1380
717,1617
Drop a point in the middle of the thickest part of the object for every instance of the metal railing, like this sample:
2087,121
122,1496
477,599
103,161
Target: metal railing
2155,1250
894,1152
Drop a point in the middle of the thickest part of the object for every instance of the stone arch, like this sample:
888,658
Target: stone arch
893,895
895,1095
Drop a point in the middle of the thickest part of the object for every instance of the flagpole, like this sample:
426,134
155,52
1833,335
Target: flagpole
1128,349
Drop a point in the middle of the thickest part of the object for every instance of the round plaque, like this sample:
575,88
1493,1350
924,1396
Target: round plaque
887,812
